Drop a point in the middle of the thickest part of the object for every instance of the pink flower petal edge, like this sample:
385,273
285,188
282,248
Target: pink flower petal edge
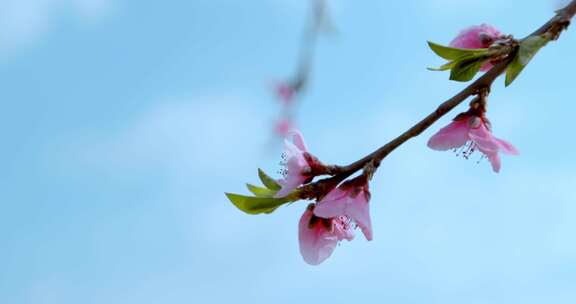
474,132
296,164
452,136
285,92
319,237
283,127
477,37
352,203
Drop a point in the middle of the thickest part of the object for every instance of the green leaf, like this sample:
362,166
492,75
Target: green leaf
269,182
447,66
261,192
450,53
466,69
256,205
465,63
528,48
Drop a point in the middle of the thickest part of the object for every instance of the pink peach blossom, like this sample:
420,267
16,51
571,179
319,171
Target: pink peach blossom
295,160
283,127
351,201
472,133
318,237
477,37
285,92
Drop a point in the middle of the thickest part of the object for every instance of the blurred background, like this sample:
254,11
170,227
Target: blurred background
123,123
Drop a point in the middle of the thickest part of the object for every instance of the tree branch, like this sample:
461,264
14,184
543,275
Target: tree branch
553,28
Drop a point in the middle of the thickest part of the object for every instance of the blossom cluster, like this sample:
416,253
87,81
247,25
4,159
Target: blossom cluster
334,217
344,207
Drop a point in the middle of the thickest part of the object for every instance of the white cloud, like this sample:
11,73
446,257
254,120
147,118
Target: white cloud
24,22
185,137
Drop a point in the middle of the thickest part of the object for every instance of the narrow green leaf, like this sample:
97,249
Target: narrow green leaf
450,53
261,192
466,69
528,48
444,67
256,205
269,182
514,69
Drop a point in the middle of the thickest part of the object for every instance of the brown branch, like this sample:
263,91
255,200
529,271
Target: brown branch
554,27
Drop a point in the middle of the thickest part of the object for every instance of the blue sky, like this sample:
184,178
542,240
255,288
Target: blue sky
125,121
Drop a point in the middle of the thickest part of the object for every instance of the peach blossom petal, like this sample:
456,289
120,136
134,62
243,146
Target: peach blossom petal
476,37
450,137
316,243
359,210
340,203
507,147
484,139
495,162
333,204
